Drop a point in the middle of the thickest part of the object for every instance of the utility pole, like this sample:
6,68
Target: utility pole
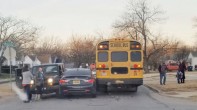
10,44
10,54
136,35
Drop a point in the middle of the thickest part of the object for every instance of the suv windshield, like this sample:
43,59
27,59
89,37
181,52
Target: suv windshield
47,69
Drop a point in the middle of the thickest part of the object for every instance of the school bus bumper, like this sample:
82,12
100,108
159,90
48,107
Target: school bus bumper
106,81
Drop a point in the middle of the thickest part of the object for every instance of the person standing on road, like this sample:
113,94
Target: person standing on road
39,81
27,77
162,70
182,68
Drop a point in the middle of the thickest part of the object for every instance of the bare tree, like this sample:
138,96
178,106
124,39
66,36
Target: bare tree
182,53
82,49
138,19
47,45
195,25
19,32
160,49
53,46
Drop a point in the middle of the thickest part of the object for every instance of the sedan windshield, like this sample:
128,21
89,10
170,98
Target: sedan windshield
78,72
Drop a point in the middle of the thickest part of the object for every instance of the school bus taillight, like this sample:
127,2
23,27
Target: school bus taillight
102,66
136,66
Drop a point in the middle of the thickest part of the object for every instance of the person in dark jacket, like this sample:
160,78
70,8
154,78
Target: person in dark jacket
182,68
27,77
39,81
162,70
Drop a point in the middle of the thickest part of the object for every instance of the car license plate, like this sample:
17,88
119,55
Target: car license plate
103,73
119,82
76,82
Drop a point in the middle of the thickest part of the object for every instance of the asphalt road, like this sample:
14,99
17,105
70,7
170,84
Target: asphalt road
144,99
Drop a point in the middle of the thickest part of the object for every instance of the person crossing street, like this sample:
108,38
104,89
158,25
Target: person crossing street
162,70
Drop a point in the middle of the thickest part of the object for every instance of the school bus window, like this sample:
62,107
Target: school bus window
119,56
102,56
119,70
136,56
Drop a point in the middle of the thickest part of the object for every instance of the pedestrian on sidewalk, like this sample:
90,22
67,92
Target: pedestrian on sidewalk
182,68
39,81
179,76
27,77
162,70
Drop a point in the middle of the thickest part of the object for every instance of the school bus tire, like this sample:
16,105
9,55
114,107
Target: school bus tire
102,88
134,89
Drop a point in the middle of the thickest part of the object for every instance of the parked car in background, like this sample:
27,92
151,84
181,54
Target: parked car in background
195,67
172,66
77,81
190,68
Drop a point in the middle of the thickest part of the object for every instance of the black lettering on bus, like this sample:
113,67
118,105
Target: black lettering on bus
125,44
111,45
119,45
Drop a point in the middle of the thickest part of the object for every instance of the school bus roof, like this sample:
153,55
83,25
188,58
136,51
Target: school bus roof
117,40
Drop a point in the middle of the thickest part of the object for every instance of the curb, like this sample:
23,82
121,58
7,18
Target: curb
2,82
152,88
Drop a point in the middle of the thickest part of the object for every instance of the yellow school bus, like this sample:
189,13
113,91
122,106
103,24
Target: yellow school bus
119,64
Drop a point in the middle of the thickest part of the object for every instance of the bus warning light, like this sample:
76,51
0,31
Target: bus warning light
137,46
101,46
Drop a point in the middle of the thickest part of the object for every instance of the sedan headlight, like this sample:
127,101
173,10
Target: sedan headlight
32,82
50,80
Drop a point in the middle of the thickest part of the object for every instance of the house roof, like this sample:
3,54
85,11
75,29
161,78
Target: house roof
44,58
32,57
56,59
194,54
48,64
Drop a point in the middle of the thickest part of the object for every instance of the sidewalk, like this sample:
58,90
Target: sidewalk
5,89
6,92
6,80
172,88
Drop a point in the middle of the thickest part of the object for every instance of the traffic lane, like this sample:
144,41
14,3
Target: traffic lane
144,99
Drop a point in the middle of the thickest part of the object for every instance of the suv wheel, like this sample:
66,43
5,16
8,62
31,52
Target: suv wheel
59,93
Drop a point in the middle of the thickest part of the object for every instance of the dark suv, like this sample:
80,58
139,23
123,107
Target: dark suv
52,74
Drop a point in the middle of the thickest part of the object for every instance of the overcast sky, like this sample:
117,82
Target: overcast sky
66,17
